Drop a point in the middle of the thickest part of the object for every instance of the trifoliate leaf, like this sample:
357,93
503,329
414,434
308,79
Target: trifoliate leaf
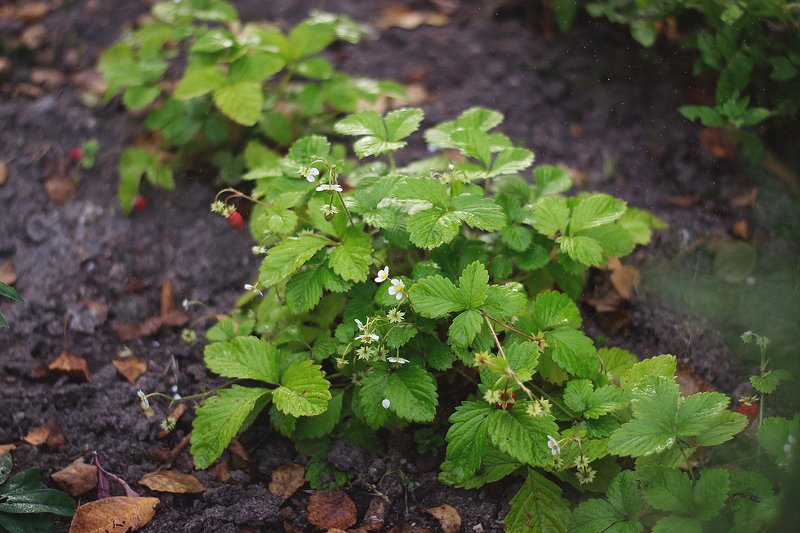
595,210
241,102
474,285
219,419
435,296
612,238
303,391
244,358
538,507
285,258
616,361
478,212
464,328
467,439
660,365
581,397
380,135
582,249
352,258
617,514
478,118
504,301
551,180
769,382
432,227
411,392
511,161
314,427
552,309
550,215
522,436
573,351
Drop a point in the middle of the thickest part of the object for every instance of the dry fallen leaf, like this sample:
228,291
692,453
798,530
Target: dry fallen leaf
7,273
746,199
67,363
222,472
131,368
690,382
624,278
7,448
3,169
90,80
169,315
686,200
37,436
240,458
114,514
34,36
741,229
76,478
719,142
49,77
406,18
331,509
286,479
172,481
32,11
447,516
59,188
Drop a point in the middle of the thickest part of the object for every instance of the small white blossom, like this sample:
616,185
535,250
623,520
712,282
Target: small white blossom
360,325
330,187
145,403
185,304
259,250
310,174
397,360
451,166
176,396
253,289
328,210
386,403
383,275
174,389
367,337
397,288
552,443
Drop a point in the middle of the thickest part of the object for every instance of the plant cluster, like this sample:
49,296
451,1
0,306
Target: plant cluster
7,291
242,85
751,48
23,501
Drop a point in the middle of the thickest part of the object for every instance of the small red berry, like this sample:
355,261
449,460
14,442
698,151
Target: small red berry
235,220
748,409
140,204
76,154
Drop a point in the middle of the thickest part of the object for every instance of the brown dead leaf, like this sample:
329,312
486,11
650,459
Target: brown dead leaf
746,199
741,229
718,142
3,166
7,448
286,479
447,516
66,363
624,279
686,200
114,514
131,368
169,315
578,176
240,458
690,382
33,37
49,77
7,273
331,509
406,18
90,80
56,438
59,188
172,481
76,478
32,11
37,436
222,472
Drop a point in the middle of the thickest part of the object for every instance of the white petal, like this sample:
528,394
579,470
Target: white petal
393,291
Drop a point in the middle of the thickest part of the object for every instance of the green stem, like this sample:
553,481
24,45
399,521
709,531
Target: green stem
392,165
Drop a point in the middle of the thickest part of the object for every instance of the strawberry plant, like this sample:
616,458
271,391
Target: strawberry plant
10,293
246,90
23,501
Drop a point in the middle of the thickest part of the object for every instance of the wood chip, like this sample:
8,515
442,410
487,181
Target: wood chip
66,363
331,509
131,368
286,479
76,478
447,516
114,514
8,274
172,481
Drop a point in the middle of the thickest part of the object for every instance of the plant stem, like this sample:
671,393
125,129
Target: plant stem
510,328
510,373
392,165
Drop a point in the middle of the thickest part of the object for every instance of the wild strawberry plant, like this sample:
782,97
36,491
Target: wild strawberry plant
245,91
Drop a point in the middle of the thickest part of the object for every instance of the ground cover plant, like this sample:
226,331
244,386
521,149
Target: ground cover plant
750,48
7,292
23,501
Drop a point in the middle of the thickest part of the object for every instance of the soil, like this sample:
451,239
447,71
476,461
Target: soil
593,100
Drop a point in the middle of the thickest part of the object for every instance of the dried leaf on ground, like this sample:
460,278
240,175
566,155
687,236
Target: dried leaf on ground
8,274
286,479
7,448
118,513
59,188
222,472
447,516
169,315
172,481
90,80
76,478
742,229
32,11
718,142
624,278
746,199
56,438
331,509
686,200
66,363
240,458
406,18
131,368
33,37
690,382
37,436
3,167
49,77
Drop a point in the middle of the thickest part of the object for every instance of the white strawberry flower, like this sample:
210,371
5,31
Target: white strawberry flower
552,443
252,288
310,174
329,187
397,288
386,403
360,325
367,337
397,360
383,275
145,403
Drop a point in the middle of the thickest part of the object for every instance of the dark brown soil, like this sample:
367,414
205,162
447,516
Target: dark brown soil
592,100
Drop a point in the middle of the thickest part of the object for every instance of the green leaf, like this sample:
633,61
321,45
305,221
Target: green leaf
582,249
669,491
774,434
767,383
8,292
710,493
411,392
303,391
564,12
495,465
517,238
199,80
511,161
464,328
315,427
284,259
618,514
133,163
616,361
708,115
427,189
219,419
466,439
255,67
522,436
241,102
573,351
504,301
552,309
244,358
478,212
36,501
401,123
380,135
351,259
304,290
581,397
550,215
474,285
367,402
435,296
25,523
677,524
538,507
433,227
660,365
214,40
136,98
551,180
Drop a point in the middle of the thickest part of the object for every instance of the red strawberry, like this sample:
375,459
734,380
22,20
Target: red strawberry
76,154
140,204
748,409
235,220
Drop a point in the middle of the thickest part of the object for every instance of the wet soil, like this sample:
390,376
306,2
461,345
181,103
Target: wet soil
593,100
